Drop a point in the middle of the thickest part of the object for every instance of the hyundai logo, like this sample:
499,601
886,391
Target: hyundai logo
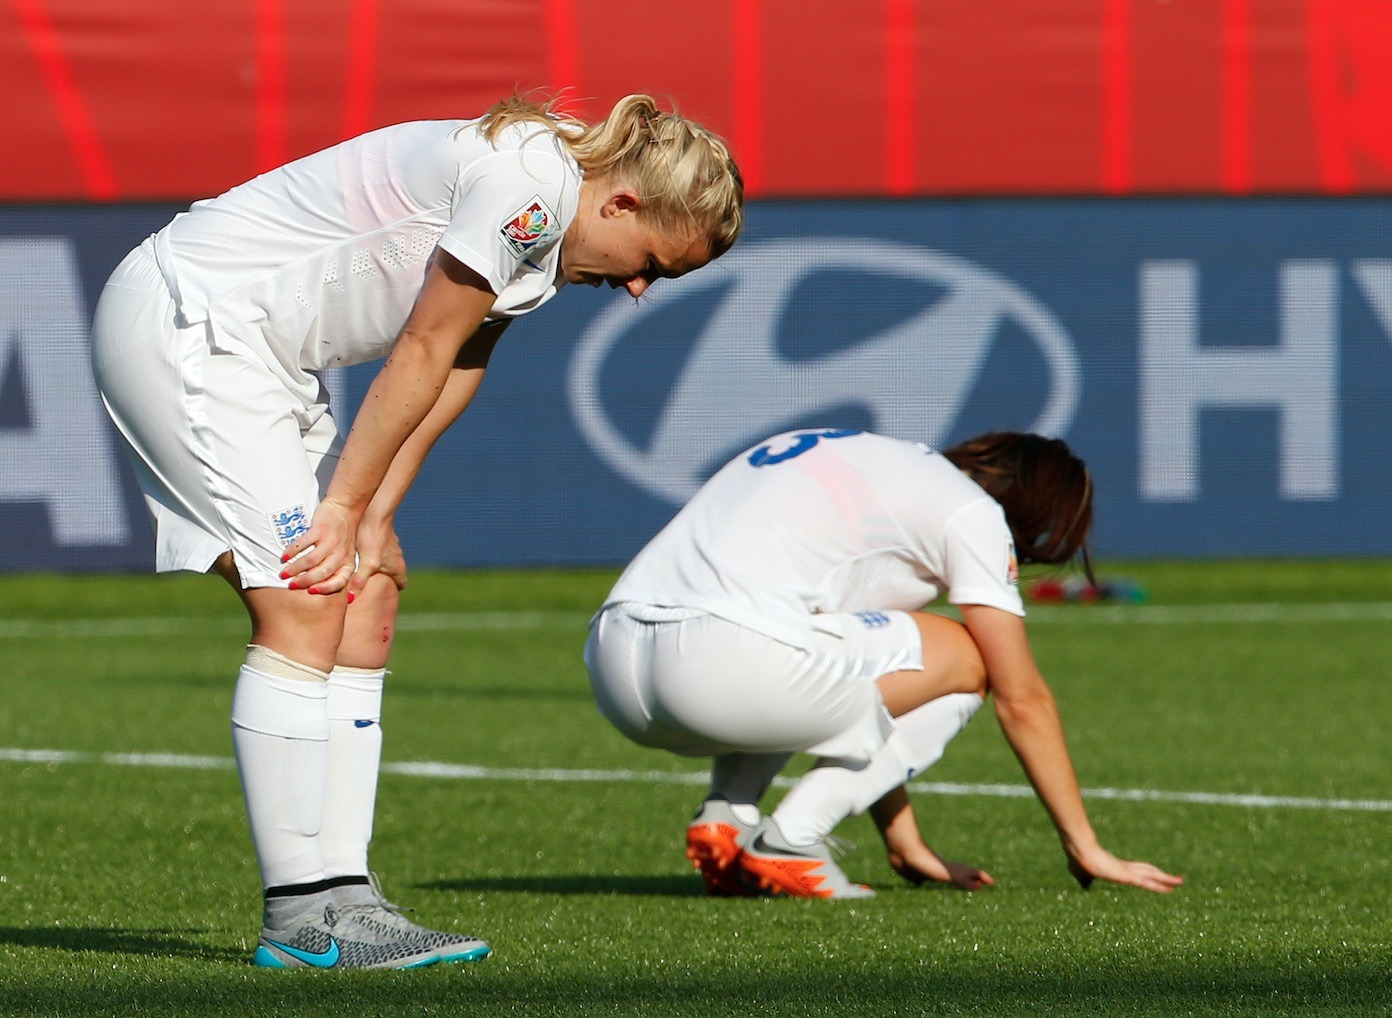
735,385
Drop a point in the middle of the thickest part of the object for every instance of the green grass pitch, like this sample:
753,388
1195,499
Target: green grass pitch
127,885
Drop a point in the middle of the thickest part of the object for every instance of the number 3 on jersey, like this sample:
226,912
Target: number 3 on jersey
802,441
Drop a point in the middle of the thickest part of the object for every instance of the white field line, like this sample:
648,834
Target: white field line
1082,614
1222,614
63,629
467,772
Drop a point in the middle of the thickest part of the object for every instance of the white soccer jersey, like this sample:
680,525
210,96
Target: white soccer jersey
815,522
317,263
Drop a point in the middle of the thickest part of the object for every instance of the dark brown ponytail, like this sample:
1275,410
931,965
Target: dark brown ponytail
1045,490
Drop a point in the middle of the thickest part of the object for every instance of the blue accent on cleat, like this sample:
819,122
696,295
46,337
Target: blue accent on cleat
265,959
472,954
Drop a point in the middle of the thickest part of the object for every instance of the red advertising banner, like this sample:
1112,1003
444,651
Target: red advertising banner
144,99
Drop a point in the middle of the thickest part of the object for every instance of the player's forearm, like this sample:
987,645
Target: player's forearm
1035,734
401,398
1029,718
456,396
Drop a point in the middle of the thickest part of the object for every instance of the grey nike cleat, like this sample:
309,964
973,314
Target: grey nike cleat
324,937
366,904
771,864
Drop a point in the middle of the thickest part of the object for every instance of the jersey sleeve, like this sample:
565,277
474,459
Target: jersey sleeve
506,213
980,559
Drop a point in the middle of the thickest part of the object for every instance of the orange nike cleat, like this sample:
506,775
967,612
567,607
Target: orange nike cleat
713,840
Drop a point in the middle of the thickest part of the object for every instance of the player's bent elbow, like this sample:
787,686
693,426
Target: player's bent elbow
1016,712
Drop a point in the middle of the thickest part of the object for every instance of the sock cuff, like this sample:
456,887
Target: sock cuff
355,694
272,662
316,887
348,671
273,705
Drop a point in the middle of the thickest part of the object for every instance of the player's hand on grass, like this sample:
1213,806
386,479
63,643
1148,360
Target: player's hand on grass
321,559
961,875
941,871
967,876
1099,864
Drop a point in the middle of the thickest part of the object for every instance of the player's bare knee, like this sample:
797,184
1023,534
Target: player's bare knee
375,608
969,669
380,595
370,626
319,620
972,666
949,643
305,627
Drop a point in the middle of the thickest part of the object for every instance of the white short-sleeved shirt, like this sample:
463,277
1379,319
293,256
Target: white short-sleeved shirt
812,523
320,261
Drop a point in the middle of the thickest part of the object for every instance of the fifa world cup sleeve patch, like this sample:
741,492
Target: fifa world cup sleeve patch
289,523
1012,571
529,226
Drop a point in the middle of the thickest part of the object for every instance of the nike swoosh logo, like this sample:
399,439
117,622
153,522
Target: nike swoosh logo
362,724
758,845
325,959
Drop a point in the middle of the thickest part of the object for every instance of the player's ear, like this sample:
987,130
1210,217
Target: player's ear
621,201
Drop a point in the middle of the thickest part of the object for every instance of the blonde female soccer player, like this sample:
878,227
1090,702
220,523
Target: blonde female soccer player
779,611
418,242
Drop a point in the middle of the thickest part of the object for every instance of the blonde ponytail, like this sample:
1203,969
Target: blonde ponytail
683,172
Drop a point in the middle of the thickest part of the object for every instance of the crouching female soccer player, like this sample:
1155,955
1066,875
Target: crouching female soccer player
778,612
418,242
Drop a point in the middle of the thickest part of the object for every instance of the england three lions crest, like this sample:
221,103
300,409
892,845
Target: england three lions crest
289,523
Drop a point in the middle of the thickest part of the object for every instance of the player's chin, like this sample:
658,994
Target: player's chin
577,278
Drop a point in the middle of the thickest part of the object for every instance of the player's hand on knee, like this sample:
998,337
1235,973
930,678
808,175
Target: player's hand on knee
321,560
394,566
394,569
379,551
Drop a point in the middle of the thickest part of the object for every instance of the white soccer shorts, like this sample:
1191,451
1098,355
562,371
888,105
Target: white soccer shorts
227,456
695,684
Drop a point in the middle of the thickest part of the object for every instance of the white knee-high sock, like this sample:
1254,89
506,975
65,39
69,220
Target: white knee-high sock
923,733
835,789
355,757
280,733
743,778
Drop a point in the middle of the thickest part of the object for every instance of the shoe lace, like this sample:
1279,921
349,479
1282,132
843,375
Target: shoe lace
839,846
375,882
